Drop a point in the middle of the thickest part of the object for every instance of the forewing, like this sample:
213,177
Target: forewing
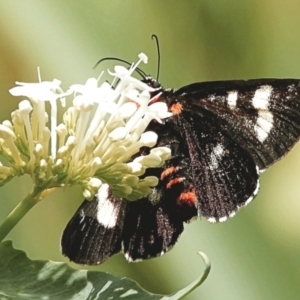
224,174
95,231
263,116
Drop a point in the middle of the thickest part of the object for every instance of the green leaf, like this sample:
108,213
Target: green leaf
22,278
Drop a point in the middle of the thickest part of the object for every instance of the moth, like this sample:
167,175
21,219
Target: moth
222,135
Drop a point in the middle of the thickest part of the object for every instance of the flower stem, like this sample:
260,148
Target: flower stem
19,212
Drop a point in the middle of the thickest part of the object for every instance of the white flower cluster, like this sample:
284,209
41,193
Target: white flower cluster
86,148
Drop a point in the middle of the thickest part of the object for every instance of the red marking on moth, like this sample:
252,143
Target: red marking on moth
174,181
167,172
188,198
176,108
155,99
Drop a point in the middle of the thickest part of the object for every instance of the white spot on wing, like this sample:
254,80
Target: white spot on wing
212,220
130,259
232,99
219,150
257,187
213,162
211,97
223,219
215,156
262,96
248,200
254,193
267,116
260,133
264,125
106,214
232,214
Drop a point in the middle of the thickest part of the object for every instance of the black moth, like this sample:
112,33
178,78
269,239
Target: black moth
222,135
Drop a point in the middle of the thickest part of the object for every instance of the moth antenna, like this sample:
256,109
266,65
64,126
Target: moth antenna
138,70
154,36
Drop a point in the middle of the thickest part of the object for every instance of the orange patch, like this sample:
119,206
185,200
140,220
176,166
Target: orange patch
188,198
176,108
167,172
174,181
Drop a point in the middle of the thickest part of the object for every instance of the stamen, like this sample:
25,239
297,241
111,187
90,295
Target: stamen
142,58
89,150
25,108
53,128
62,132
46,134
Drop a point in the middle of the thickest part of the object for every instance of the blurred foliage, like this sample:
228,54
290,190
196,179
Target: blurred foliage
256,255
44,279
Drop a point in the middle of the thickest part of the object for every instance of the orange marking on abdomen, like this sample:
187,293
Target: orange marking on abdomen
187,198
174,181
176,108
167,172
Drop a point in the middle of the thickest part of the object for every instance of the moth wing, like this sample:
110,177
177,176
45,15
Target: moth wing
150,229
263,115
153,224
224,174
95,231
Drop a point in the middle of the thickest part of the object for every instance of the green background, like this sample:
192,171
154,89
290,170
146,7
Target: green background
255,255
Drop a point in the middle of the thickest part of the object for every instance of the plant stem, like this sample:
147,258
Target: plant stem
19,212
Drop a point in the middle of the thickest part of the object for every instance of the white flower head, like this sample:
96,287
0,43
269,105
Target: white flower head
94,142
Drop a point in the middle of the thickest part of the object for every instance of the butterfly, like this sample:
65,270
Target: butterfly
222,135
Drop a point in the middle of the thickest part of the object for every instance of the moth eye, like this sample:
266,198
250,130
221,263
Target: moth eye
156,84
